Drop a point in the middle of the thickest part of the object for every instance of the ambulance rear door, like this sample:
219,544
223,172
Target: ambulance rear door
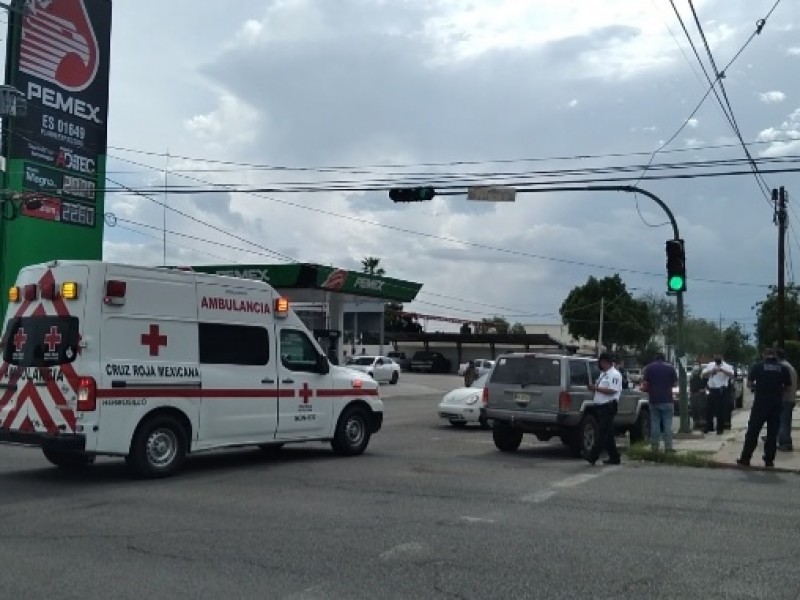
43,349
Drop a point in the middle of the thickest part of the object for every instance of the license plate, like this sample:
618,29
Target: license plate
521,398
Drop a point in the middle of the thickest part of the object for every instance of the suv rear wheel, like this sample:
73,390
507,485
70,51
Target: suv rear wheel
585,437
506,438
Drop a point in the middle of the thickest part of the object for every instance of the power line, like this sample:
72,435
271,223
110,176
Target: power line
727,109
368,169
719,74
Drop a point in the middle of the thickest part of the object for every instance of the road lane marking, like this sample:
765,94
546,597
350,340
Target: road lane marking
564,484
477,520
407,549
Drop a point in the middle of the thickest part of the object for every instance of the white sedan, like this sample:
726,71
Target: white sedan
380,368
463,405
482,366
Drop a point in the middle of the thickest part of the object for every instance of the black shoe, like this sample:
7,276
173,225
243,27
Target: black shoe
706,431
785,448
769,463
763,438
588,459
612,461
720,432
742,462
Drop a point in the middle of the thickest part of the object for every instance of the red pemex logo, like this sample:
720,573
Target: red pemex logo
59,44
335,281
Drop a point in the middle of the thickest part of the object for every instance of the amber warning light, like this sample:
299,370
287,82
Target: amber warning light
281,307
13,294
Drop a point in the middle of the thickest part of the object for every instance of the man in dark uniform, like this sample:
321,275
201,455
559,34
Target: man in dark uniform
768,379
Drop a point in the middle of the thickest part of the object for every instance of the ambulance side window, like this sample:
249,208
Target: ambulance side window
222,344
298,353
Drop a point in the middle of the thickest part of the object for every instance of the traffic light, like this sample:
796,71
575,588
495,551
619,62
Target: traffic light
676,266
415,194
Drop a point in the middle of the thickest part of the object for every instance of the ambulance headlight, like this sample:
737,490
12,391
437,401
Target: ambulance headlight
13,294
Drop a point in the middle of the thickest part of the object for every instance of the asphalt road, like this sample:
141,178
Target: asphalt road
427,512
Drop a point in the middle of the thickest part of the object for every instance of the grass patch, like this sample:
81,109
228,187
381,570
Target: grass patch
643,451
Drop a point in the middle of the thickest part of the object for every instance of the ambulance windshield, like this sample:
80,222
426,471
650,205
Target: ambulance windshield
41,341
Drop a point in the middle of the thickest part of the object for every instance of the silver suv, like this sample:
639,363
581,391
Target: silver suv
547,395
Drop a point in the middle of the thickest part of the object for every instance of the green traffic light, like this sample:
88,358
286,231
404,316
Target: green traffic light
675,283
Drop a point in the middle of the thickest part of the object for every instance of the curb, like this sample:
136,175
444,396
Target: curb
713,464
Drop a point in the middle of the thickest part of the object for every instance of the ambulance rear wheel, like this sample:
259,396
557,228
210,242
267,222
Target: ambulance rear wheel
158,448
68,460
352,432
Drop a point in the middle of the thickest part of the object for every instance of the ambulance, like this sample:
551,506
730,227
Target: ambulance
152,364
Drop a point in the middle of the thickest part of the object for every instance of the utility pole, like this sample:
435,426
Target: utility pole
779,198
600,333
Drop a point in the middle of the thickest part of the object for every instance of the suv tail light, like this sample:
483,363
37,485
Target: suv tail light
87,395
564,402
485,396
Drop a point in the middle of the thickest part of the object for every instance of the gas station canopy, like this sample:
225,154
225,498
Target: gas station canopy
318,277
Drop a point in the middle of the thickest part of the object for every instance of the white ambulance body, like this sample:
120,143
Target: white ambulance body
151,364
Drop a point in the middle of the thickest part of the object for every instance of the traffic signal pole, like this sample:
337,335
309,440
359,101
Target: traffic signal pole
685,425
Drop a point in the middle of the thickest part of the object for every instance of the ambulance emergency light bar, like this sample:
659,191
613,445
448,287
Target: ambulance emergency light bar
30,292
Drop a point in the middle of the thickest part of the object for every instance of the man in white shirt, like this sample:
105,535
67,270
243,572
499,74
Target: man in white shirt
607,390
719,374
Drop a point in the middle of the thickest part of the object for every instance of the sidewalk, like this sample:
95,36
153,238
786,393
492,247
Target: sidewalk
726,448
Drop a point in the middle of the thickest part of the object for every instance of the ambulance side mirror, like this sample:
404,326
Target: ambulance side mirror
323,366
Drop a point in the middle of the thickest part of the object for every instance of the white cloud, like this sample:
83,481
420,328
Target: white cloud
772,97
305,83
793,51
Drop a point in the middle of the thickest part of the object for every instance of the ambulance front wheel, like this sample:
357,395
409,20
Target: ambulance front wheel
158,448
352,432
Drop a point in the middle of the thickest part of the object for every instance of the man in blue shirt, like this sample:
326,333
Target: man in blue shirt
768,379
659,378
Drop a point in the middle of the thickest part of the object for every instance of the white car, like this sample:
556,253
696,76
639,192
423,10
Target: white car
380,368
463,405
482,366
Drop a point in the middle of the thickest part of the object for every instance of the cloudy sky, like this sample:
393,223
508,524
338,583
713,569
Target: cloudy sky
372,93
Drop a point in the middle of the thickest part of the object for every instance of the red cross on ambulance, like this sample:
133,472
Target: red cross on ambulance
19,339
306,393
154,340
52,339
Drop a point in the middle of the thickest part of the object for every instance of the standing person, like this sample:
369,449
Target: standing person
471,374
658,380
607,390
787,407
769,379
719,373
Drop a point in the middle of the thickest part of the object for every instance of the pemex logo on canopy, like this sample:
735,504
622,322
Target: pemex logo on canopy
59,44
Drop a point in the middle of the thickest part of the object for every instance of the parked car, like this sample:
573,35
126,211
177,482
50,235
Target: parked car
634,376
482,366
425,361
380,368
547,395
400,358
463,405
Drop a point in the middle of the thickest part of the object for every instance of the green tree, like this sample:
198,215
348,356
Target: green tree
767,312
517,328
701,336
371,266
735,345
664,314
494,325
626,321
